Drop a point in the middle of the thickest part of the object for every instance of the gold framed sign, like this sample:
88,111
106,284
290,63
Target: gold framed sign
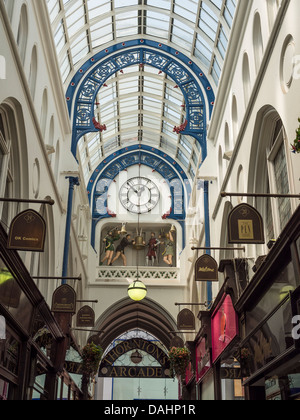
64,300
245,226
86,317
206,269
27,232
186,320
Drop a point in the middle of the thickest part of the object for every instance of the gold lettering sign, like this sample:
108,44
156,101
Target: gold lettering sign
108,368
27,232
206,269
186,320
64,300
246,229
245,226
134,372
86,317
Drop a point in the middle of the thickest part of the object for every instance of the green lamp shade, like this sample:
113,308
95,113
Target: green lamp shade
5,275
137,291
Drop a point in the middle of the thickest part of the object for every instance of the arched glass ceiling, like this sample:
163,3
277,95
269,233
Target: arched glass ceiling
140,104
199,28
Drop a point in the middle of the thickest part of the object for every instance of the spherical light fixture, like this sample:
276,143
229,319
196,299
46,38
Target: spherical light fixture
137,291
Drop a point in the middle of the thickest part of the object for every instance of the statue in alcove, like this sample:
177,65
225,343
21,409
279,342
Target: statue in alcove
120,251
152,249
169,252
109,240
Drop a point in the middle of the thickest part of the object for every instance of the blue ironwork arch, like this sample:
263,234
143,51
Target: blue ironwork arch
87,83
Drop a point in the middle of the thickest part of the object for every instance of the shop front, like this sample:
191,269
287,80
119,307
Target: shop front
225,349
28,330
204,371
270,308
216,350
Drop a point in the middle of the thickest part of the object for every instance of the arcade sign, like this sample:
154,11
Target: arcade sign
206,269
245,226
27,232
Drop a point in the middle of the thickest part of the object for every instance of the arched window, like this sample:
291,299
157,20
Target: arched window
44,112
50,141
257,42
278,178
13,174
246,79
33,72
22,35
269,171
57,161
220,165
234,114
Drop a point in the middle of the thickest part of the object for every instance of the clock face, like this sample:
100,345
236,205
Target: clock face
139,195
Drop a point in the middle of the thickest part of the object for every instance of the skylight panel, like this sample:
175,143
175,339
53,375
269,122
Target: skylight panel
54,9
217,3
80,49
230,7
75,19
208,22
98,10
101,32
127,23
182,35
187,9
161,4
158,24
125,3
203,50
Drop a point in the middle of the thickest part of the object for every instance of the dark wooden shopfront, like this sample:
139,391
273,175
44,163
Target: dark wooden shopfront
28,329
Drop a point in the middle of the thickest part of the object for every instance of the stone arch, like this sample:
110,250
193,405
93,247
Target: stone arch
122,317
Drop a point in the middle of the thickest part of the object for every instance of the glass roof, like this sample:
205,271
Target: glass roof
200,28
140,104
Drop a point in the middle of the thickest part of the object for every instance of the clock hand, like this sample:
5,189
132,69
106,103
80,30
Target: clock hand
141,191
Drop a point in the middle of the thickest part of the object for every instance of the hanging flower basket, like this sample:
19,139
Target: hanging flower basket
296,145
91,358
180,358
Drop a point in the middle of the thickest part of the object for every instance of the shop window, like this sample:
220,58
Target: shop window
4,157
269,219
10,354
298,246
4,386
278,182
284,282
13,299
271,339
